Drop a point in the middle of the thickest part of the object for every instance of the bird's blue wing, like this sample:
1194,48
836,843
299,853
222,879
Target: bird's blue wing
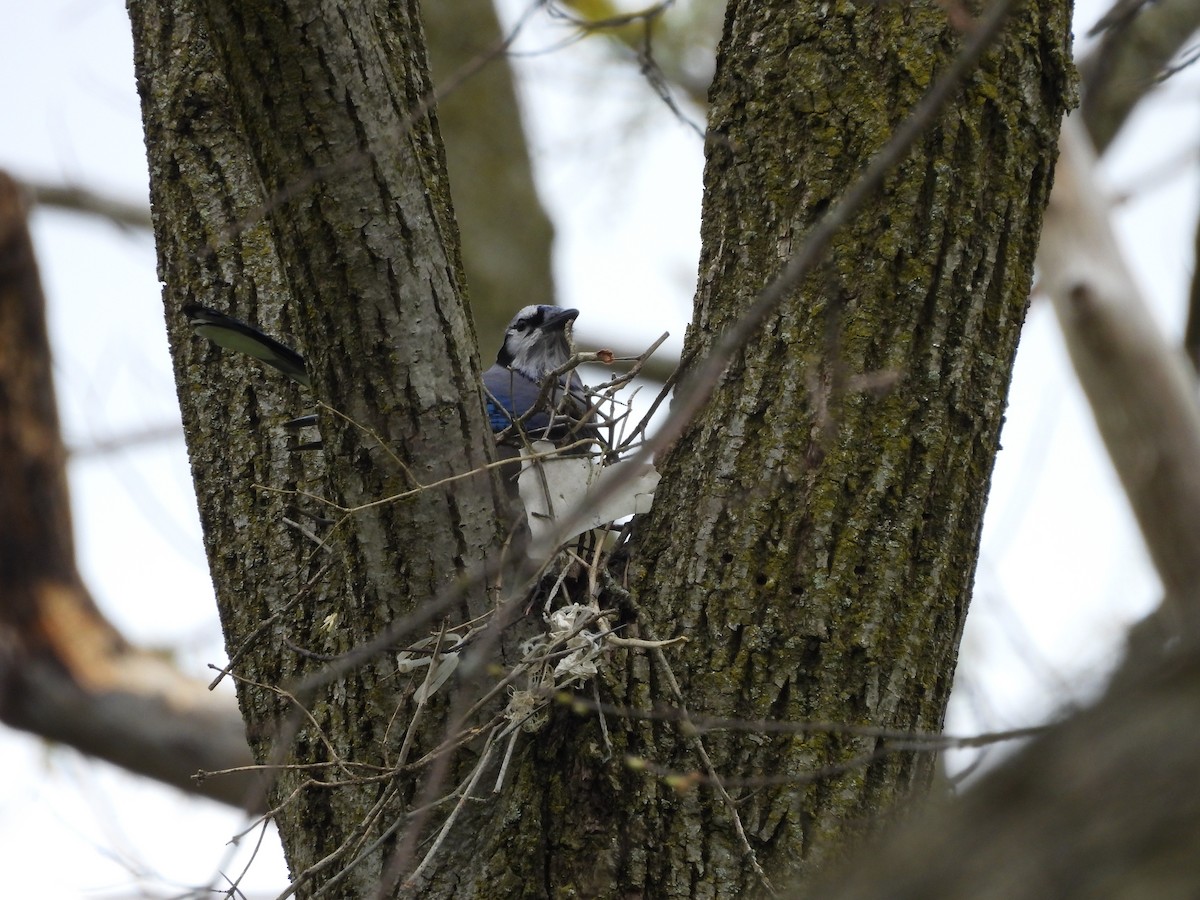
509,396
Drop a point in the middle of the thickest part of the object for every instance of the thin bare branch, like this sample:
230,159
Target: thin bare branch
76,198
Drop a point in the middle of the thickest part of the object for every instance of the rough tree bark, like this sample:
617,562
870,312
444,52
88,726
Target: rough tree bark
833,489
135,726
298,181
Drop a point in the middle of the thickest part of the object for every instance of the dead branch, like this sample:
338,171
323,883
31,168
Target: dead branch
66,673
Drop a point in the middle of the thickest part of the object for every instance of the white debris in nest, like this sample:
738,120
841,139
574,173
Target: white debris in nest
558,488
585,645
524,709
443,662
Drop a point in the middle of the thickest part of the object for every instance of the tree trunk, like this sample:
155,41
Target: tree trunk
298,182
831,493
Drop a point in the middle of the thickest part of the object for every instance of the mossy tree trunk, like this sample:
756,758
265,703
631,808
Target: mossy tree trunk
816,530
837,479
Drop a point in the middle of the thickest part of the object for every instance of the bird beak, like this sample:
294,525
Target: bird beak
559,318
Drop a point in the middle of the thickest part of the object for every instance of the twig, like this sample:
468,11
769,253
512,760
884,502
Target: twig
80,199
693,736
411,731
410,881
264,626
508,752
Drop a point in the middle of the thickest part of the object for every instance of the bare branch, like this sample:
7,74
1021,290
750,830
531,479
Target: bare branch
65,672
77,198
1140,388
1096,807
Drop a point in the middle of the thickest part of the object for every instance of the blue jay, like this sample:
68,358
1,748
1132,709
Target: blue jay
535,344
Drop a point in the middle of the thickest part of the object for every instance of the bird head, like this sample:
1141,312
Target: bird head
536,341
